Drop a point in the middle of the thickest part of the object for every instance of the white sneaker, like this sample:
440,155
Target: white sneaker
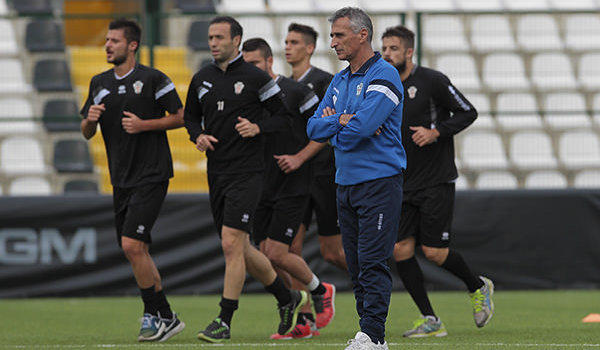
363,342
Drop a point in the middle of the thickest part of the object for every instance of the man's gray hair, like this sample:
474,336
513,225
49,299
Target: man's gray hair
358,20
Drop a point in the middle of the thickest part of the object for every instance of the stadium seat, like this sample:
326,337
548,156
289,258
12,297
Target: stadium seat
12,79
579,150
52,75
16,116
443,33
380,24
198,35
8,41
546,179
33,7
566,111
572,4
261,27
582,31
482,150
44,36
283,22
532,150
596,109
242,6
331,6
22,155
72,156
538,32
517,111
461,70
478,5
80,186
286,6
496,180
504,71
61,115
461,182
384,6
323,62
29,186
491,33
552,71
589,71
587,179
435,5
520,5
205,6
484,120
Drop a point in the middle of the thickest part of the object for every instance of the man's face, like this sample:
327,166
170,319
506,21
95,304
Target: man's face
222,45
394,52
344,41
256,58
296,48
116,47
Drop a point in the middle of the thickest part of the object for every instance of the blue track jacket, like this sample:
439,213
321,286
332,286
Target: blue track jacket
375,94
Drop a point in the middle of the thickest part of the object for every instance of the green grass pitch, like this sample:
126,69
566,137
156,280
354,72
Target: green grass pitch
523,320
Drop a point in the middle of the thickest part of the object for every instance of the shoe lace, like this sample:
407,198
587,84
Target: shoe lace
418,323
217,326
477,300
146,321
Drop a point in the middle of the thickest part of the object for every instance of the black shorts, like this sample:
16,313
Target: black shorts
136,209
322,201
233,199
278,220
427,215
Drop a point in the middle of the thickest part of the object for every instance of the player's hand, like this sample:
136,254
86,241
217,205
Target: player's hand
288,162
246,128
345,118
95,112
423,136
132,124
327,111
205,142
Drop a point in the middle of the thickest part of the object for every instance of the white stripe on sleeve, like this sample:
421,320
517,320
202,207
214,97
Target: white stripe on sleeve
386,91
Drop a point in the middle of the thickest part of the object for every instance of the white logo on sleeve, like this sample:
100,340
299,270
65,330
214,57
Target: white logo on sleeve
140,229
289,232
445,236
245,218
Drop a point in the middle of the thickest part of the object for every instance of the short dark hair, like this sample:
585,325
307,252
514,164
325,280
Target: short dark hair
407,35
308,33
258,44
235,28
131,30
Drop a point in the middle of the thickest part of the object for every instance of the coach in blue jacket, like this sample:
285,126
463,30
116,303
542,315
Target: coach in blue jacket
361,115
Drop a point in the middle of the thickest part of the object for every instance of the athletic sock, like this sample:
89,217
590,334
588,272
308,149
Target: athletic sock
280,291
315,286
306,316
412,277
456,265
228,306
163,305
150,300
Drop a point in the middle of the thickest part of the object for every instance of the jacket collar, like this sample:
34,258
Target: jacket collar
365,67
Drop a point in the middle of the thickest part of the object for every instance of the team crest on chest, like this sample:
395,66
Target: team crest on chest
359,88
137,87
238,87
412,92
